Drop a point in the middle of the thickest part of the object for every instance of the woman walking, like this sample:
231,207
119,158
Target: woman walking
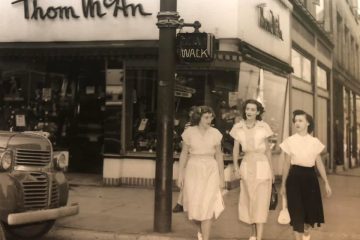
204,172
299,182
256,169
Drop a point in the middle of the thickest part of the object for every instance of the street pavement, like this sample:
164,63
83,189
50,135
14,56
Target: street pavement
127,213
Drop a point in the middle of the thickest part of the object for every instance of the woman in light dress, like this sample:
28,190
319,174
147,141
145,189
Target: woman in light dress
255,171
299,182
204,172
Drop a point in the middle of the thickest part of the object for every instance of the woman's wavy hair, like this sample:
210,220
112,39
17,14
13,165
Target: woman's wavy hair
259,108
198,112
308,117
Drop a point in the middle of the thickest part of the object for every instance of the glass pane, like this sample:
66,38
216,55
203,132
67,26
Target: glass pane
320,10
274,102
306,70
322,120
321,78
296,62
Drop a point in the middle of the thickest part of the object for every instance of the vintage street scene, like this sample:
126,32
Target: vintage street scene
180,119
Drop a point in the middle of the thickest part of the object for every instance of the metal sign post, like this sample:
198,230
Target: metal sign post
168,22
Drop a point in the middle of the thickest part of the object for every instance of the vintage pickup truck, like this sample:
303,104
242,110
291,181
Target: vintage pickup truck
33,188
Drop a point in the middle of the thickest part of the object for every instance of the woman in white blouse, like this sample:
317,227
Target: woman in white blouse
299,181
201,171
256,168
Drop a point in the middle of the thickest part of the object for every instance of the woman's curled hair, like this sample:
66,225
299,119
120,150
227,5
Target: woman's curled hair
198,112
308,117
259,108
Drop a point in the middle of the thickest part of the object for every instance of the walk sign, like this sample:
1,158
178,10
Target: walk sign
195,47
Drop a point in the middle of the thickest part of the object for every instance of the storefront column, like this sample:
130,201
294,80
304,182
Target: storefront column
167,23
332,122
354,131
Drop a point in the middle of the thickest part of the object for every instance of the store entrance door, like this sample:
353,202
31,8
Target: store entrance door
87,128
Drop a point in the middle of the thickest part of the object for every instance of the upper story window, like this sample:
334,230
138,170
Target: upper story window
322,78
320,11
301,65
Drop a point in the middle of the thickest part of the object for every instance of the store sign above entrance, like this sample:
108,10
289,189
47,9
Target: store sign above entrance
90,9
195,47
269,22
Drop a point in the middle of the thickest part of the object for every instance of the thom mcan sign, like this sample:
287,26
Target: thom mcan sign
195,47
89,9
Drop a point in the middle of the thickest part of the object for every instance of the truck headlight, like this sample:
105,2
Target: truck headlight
61,160
6,160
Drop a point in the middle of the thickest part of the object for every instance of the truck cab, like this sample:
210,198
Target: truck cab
33,188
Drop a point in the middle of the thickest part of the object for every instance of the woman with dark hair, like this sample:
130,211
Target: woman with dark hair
299,181
201,168
255,171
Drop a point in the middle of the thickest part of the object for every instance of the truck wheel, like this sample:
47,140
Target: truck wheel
2,232
29,231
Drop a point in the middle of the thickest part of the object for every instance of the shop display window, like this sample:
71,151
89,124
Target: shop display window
270,89
190,89
31,100
114,87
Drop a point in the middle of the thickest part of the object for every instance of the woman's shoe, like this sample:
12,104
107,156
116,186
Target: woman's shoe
178,208
306,237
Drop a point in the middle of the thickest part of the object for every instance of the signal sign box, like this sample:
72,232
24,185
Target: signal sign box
195,47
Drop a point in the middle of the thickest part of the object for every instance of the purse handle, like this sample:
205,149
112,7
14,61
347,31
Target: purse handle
284,202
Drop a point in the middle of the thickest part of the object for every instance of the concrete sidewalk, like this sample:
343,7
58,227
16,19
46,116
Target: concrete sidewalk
127,213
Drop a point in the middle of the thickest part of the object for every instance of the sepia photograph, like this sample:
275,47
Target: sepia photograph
179,119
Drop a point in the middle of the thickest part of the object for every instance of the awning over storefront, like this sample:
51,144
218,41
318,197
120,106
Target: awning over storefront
263,60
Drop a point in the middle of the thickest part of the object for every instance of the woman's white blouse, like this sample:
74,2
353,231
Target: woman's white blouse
251,139
202,144
303,150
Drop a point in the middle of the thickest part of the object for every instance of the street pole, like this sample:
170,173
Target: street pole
167,24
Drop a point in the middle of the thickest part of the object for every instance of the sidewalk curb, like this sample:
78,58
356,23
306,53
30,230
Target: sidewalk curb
76,233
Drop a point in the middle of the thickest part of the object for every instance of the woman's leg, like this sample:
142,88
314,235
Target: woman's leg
298,235
306,230
253,230
259,231
205,229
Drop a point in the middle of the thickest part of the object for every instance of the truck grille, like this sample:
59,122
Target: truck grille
54,200
36,191
33,158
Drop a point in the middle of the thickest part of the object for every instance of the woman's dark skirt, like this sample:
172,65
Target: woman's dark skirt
304,198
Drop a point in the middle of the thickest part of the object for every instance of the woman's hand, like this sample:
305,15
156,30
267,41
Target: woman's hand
222,183
180,182
237,172
283,190
328,189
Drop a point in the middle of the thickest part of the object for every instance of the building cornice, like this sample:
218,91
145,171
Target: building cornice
302,13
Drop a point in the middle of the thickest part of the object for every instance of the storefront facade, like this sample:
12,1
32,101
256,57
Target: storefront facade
87,71
311,58
347,82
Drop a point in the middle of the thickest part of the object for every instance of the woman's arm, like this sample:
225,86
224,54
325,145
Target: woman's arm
268,155
235,154
182,163
285,173
321,168
220,161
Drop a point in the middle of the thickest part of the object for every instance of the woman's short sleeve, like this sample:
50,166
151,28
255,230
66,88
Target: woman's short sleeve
268,131
234,132
285,146
318,146
217,136
186,136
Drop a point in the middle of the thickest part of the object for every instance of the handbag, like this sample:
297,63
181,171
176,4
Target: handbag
274,197
284,216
